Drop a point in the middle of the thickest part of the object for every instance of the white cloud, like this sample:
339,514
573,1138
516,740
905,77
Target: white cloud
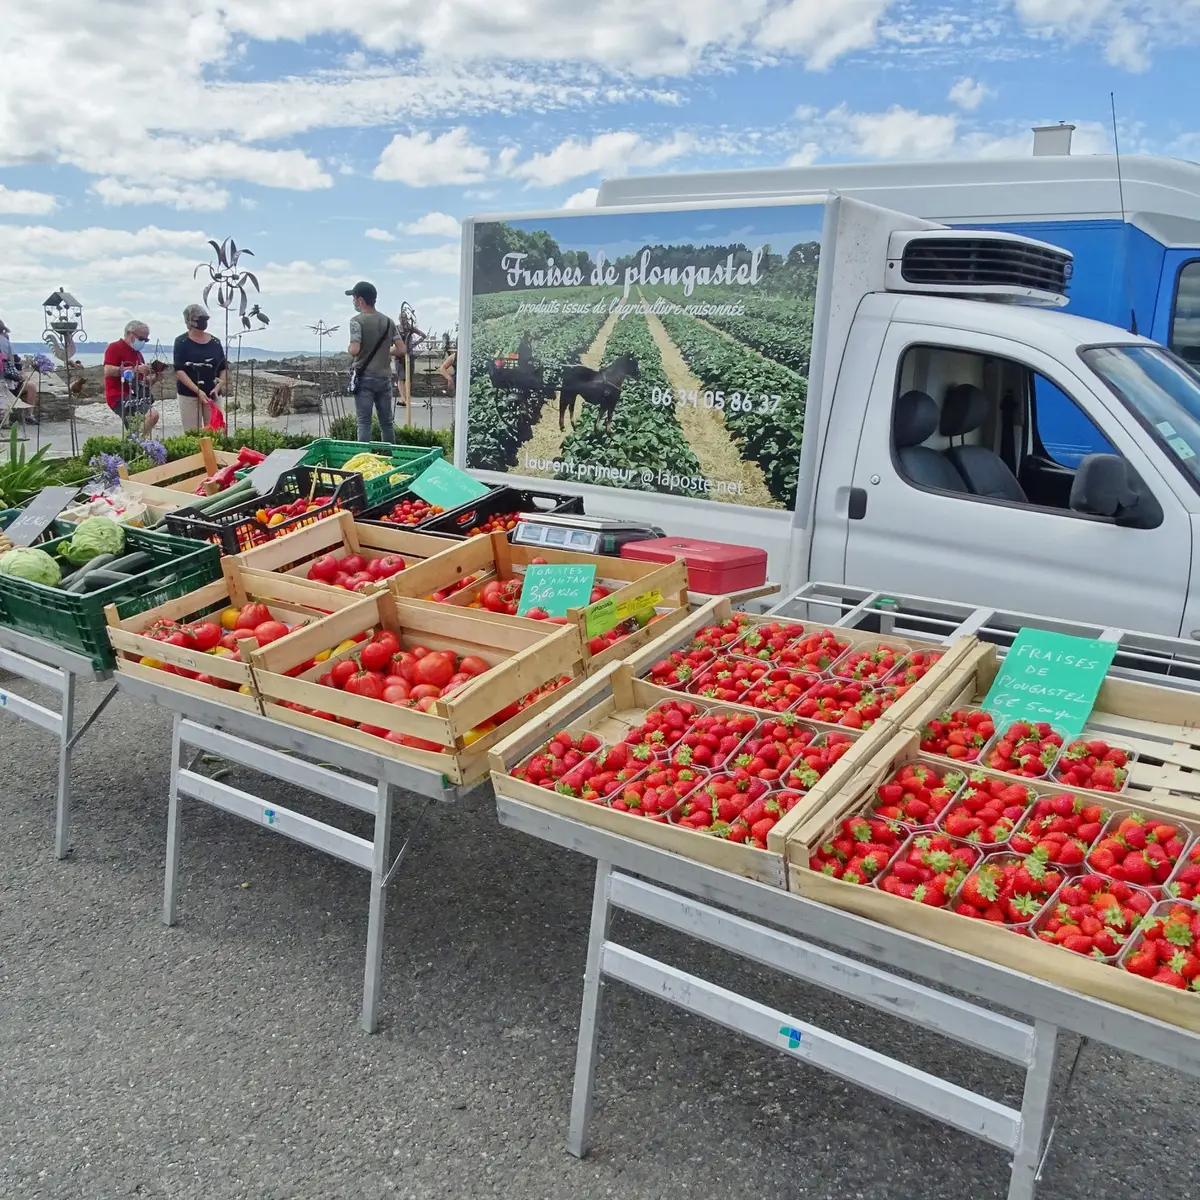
433,224
424,161
379,235
967,93
897,133
606,153
805,156
821,31
183,197
438,260
584,199
19,201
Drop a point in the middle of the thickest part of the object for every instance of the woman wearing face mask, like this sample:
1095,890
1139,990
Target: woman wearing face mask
200,369
127,379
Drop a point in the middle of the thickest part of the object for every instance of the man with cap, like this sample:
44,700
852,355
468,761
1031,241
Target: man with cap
372,335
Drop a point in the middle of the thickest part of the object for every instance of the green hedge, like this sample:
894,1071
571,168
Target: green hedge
345,429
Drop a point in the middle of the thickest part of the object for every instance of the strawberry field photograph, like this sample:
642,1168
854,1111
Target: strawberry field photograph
663,352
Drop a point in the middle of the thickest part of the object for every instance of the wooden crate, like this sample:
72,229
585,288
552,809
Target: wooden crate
235,682
978,938
609,705
184,474
680,634
521,663
289,557
1161,724
484,558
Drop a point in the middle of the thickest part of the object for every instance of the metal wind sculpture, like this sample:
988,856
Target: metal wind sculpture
63,331
323,331
230,281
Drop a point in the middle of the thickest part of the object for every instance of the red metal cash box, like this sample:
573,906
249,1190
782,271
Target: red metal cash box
715,568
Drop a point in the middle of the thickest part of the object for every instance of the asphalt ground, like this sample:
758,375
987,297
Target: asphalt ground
222,1058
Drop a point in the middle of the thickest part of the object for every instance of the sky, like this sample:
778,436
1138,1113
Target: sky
341,142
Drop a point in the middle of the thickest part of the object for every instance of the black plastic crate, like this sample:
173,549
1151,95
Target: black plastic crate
240,528
458,522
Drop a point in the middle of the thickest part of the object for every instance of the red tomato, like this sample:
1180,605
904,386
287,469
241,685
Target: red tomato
182,638
326,569
537,614
473,665
385,637
341,579
252,615
420,651
395,681
425,691
356,581
206,635
373,730
436,669
506,714
404,664
326,680
426,703
366,684
342,671
376,656
352,564
270,631
395,693
598,593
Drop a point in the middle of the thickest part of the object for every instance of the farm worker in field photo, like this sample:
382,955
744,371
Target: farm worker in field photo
201,372
525,350
127,378
374,338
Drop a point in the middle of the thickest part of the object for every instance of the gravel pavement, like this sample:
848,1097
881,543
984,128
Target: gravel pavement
222,1058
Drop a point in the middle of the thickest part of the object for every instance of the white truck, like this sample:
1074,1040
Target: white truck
919,466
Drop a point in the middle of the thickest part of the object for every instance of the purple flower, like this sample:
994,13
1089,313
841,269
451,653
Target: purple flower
106,468
43,364
156,452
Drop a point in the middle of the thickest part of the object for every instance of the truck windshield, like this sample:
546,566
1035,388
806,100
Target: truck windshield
1161,390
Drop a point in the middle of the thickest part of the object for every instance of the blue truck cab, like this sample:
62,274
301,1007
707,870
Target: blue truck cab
1133,227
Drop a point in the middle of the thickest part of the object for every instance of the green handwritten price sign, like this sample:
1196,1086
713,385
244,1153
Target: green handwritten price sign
1050,677
442,483
607,614
557,587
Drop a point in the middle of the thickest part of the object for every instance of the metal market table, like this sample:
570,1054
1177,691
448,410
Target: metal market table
297,757
43,663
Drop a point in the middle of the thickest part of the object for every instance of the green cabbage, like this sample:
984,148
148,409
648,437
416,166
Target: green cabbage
36,566
92,537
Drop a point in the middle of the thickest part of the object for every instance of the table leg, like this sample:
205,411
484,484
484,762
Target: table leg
380,870
1038,1083
62,822
171,887
589,1017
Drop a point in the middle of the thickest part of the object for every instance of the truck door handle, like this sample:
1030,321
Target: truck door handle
857,507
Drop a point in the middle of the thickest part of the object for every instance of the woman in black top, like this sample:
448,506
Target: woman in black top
201,370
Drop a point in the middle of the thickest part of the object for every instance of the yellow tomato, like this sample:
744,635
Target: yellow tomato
221,652
229,618
322,656
341,647
245,690
480,731
151,662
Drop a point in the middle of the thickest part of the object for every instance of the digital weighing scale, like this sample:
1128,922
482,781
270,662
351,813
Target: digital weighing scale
586,535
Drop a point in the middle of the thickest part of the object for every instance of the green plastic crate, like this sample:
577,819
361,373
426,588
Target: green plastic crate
76,621
410,460
57,529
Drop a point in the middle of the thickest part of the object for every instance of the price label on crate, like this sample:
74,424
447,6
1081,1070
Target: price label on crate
40,515
1050,677
607,614
556,587
443,484
266,475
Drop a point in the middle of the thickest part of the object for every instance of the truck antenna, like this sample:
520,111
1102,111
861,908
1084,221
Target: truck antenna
1112,100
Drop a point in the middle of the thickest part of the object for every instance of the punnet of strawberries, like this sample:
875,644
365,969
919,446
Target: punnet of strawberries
1094,916
657,791
1064,827
710,740
780,743
1026,748
816,651
859,850
680,667
1184,883
915,795
727,679
929,869
987,811
779,690
1166,948
1093,764
723,634
768,640
663,727
1009,889
959,733
581,767
839,702
870,664
915,666
1138,849
734,807
562,753
816,761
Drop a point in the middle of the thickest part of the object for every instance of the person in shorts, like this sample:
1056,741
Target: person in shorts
201,370
373,337
127,378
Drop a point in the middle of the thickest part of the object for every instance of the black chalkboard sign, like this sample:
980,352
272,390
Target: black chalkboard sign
40,515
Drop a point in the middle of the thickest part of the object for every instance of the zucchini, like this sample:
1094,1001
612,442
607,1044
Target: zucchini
242,491
131,564
229,502
93,581
101,560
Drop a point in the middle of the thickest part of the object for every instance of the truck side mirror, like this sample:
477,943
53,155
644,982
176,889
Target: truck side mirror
1107,486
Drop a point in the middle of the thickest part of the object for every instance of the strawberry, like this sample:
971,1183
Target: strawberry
656,792
727,679
663,727
915,795
859,851
1185,879
723,634
816,761
1008,889
680,666
959,733
817,651
932,865
1093,764
768,640
1093,915
1066,826
1166,947
780,741
915,667
840,702
1138,849
869,664
562,753
712,739
779,689
987,812
1025,749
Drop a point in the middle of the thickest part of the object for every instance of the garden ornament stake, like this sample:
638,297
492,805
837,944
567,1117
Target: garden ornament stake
323,331
63,331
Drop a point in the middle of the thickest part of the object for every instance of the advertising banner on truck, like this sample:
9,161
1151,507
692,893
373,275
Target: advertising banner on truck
663,352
